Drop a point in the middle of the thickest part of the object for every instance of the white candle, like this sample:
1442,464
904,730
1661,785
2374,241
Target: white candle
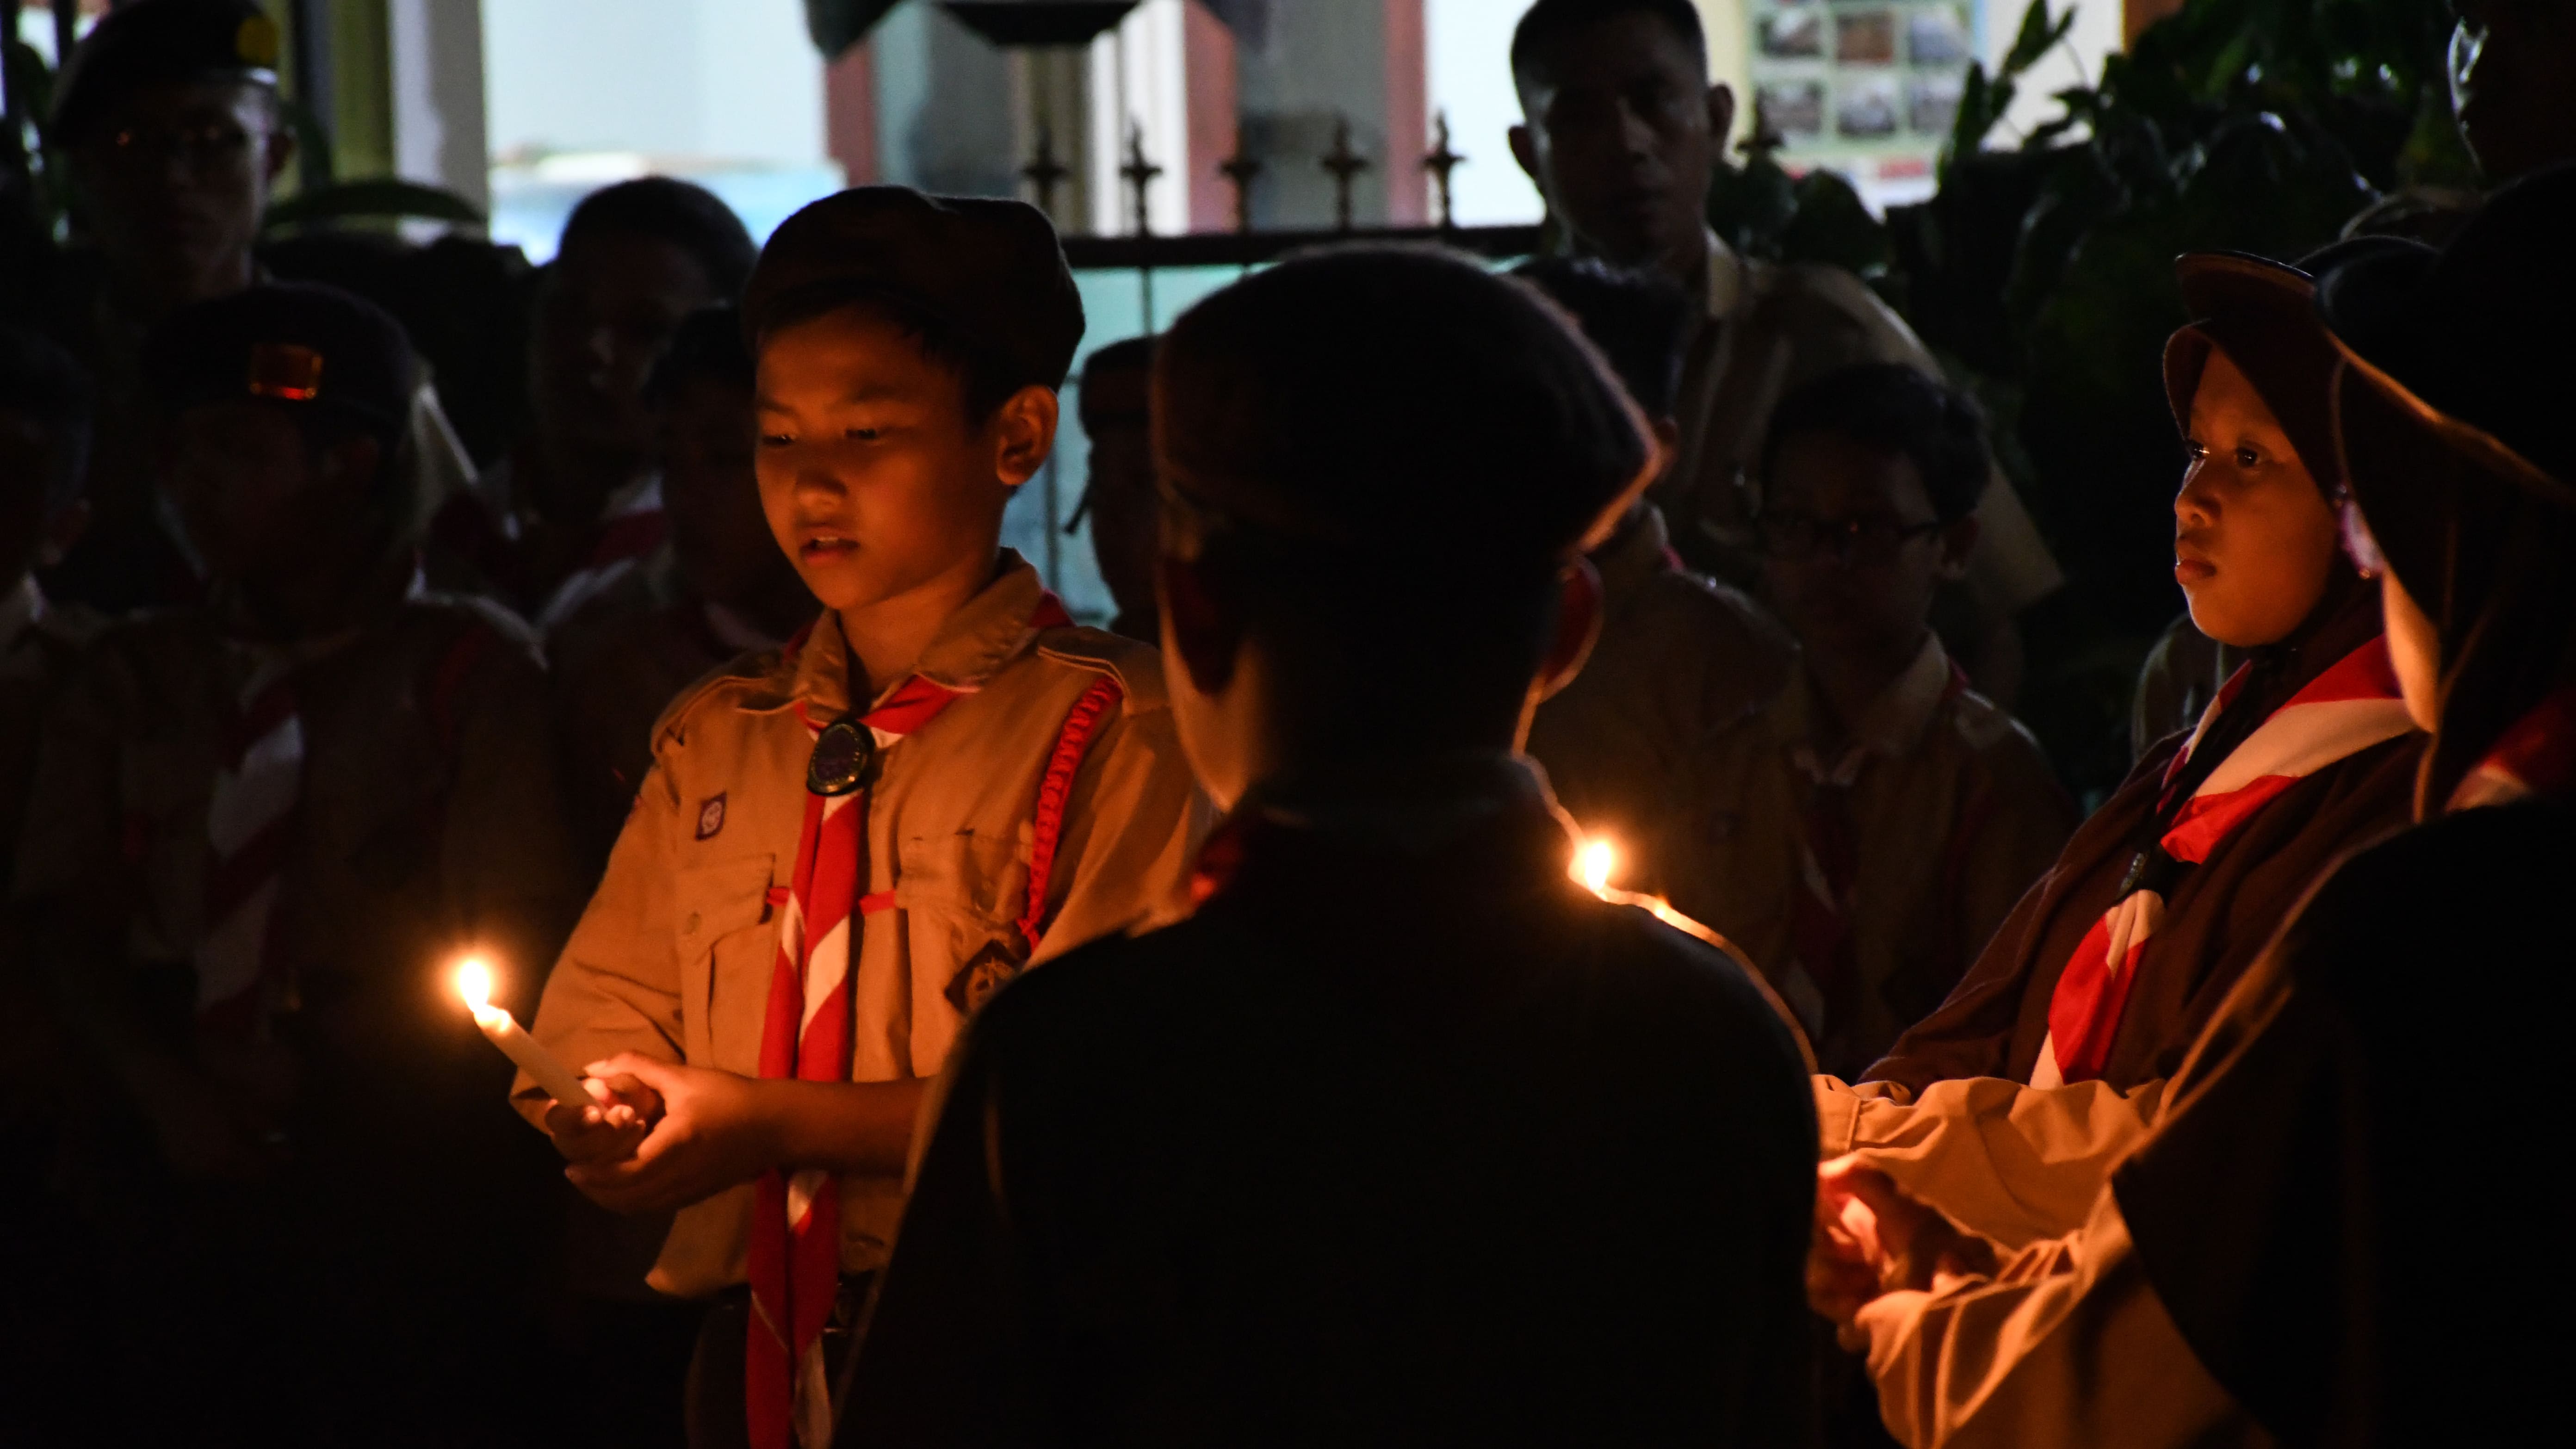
474,983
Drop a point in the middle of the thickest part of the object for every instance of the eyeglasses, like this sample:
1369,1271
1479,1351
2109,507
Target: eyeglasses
1790,535
204,150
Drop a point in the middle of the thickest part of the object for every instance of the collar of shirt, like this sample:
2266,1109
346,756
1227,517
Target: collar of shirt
1415,804
1725,277
1892,726
1636,553
987,631
20,611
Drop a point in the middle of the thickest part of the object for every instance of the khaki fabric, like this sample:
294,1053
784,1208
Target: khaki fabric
1680,658
616,665
2067,1344
39,644
1955,813
675,955
2008,1162
1771,329
428,816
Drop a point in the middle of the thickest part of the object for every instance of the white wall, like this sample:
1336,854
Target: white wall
734,80
1469,45
2099,30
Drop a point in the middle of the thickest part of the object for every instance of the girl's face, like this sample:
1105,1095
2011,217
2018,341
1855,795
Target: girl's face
2254,539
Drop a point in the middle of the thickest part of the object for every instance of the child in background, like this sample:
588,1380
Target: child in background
846,845
1680,657
1120,494
1866,830
261,828
717,587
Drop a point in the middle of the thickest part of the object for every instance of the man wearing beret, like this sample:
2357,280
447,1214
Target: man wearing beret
847,844
168,113
262,825
1404,1136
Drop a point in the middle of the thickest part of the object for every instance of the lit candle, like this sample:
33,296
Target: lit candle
1593,862
474,983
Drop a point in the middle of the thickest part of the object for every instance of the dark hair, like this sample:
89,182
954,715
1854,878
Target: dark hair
1641,321
1384,456
43,381
1894,406
708,344
666,209
1550,21
1133,354
989,380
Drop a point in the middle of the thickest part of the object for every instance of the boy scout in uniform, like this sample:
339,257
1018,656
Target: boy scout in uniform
1680,656
847,844
168,115
716,588
1622,132
261,826
1865,831
1120,494
1404,1136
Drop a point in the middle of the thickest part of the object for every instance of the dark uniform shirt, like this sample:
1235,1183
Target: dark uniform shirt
1401,1138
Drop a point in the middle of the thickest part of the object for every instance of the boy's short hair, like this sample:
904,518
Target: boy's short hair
980,284
667,209
1549,21
1895,407
708,344
1640,320
1385,456
42,381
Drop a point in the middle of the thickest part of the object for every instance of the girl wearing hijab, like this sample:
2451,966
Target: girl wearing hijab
2007,1105
2315,1244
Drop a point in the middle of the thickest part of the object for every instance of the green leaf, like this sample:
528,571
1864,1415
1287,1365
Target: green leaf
2035,37
381,196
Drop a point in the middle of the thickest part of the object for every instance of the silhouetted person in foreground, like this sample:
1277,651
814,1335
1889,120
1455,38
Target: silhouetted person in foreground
1404,1136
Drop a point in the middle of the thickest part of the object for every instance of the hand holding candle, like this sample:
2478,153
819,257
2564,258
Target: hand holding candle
474,983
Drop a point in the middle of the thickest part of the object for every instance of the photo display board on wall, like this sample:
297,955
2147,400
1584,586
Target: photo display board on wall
1865,87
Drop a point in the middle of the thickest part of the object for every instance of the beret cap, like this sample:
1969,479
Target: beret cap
296,343
990,270
162,42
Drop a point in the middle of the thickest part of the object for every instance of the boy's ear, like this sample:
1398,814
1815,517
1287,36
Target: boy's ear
1958,542
1578,624
1024,433
1202,632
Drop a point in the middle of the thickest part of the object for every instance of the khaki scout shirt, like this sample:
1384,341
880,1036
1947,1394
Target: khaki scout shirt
1772,329
1955,813
675,955
1680,658
427,815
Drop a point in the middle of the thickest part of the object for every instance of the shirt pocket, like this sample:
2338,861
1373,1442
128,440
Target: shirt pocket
959,899
727,938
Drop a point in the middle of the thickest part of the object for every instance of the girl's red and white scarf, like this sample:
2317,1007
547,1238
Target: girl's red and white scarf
2535,759
2347,709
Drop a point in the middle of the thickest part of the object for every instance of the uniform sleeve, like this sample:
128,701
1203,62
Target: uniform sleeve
617,985
1132,829
505,855
2020,818
2012,1163
69,837
2068,1344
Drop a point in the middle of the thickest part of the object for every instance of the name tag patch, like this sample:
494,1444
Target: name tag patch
711,813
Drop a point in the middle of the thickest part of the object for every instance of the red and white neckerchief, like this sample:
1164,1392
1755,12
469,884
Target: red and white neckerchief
2535,759
631,529
250,821
808,1035
2343,711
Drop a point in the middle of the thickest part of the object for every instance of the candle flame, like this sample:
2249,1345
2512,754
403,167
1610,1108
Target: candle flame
474,983
1594,862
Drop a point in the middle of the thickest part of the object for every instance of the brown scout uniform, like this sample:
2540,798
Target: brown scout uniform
39,644
617,664
675,956
1953,811
1680,658
1773,328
